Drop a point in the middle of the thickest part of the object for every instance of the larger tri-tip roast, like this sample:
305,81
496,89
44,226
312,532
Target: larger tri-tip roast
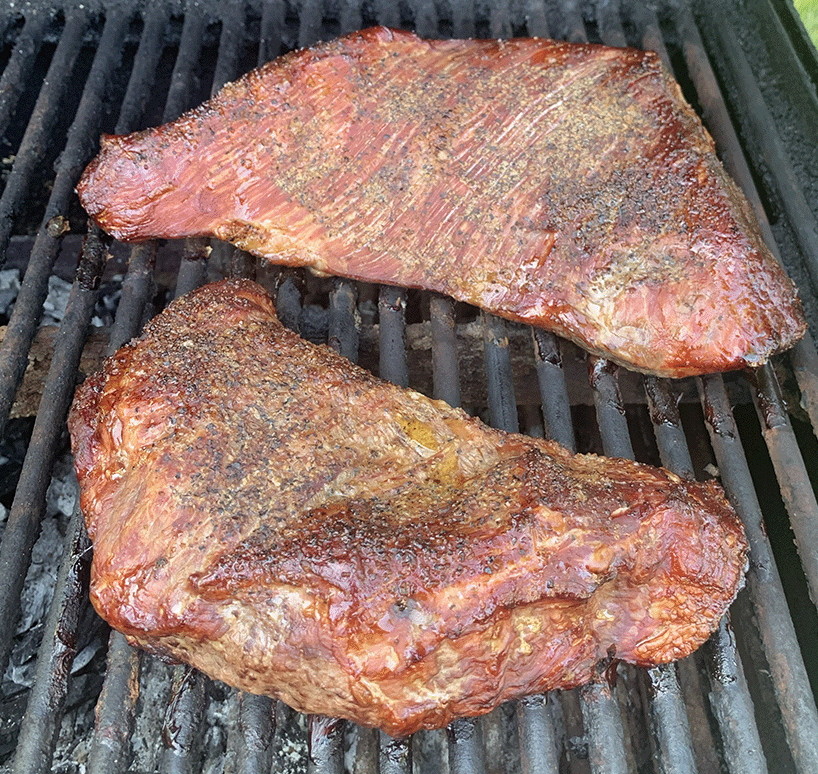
280,518
564,185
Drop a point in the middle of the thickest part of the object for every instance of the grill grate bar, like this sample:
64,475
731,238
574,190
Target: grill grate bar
445,380
466,754
539,748
183,717
603,729
23,522
803,355
609,23
16,73
41,722
731,703
573,23
270,34
800,216
499,379
40,726
110,745
790,470
394,755
392,335
145,66
115,707
40,126
254,752
730,697
325,745
787,669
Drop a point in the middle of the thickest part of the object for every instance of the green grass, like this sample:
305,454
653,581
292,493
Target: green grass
808,11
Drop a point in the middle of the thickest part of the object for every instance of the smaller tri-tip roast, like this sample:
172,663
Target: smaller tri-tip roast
286,522
568,186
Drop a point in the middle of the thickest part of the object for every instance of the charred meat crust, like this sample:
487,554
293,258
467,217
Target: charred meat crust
288,523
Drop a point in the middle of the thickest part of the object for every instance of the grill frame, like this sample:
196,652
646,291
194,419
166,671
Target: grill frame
471,745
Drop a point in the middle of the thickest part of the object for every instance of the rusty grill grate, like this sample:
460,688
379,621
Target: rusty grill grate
744,703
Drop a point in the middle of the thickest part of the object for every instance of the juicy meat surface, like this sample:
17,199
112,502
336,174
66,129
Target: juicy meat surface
283,520
568,186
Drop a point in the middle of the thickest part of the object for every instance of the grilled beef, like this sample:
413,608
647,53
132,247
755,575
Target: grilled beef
278,517
568,186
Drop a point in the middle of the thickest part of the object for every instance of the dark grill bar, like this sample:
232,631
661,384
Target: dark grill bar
69,70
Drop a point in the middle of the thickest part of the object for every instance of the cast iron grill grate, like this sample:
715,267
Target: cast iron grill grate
744,703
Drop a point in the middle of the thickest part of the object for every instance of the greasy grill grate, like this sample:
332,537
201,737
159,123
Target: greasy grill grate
744,703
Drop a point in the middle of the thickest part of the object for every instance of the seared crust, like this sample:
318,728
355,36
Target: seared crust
281,519
564,185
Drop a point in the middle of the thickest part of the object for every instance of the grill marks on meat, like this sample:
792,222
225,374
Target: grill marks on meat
288,523
564,185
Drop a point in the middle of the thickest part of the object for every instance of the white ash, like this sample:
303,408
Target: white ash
9,288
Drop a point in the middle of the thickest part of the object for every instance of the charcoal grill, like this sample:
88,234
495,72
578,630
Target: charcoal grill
744,703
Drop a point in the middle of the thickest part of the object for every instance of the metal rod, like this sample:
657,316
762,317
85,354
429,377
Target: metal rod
732,705
609,22
603,729
343,329
20,65
28,306
394,755
257,720
325,745
613,426
669,720
184,68
804,355
499,378
115,707
41,723
40,126
392,335
539,748
445,378
38,731
466,754
183,717
790,470
193,268
536,21
426,19
288,303
29,504
787,670
270,34
110,744
463,21
350,17
801,218
309,22
230,40
145,67
500,20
